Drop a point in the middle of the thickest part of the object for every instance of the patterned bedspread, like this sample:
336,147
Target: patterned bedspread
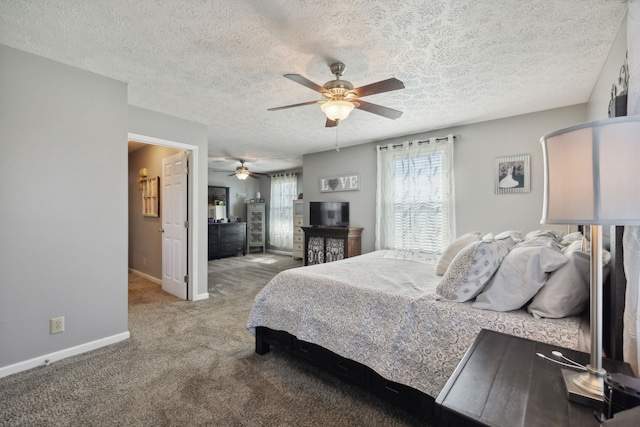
380,309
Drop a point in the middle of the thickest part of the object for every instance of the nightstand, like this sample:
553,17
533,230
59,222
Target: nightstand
501,382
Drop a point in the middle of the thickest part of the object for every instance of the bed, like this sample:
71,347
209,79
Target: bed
381,321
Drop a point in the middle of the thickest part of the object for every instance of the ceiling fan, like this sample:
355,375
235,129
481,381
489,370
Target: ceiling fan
342,98
242,172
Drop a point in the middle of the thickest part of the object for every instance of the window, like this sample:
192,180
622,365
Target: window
414,203
284,190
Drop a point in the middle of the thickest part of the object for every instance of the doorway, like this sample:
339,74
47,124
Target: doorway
191,247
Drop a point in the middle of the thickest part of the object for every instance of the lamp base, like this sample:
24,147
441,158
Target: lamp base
585,388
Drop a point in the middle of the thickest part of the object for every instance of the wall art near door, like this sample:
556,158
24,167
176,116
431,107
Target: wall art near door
513,174
150,197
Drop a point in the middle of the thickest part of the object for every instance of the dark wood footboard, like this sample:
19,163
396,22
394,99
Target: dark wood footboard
405,397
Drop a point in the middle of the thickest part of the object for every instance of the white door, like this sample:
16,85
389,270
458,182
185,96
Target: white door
173,201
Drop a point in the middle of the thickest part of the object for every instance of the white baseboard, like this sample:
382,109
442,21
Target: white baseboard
200,297
145,276
62,354
279,252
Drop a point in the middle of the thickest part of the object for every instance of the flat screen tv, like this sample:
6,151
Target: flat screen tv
329,214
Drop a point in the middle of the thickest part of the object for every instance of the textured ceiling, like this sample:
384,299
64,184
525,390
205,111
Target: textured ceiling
221,62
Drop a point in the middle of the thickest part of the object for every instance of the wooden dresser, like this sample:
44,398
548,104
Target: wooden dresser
226,239
326,244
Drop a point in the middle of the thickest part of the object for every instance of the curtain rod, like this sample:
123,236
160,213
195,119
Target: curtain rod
443,138
295,172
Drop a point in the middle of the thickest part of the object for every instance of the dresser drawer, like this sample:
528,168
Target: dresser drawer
298,238
231,247
297,222
400,394
234,228
298,247
232,238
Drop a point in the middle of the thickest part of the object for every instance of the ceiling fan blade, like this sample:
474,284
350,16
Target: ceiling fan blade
331,123
293,105
389,113
305,82
258,173
379,87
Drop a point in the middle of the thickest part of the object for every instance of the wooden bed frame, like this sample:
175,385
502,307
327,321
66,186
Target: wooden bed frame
417,402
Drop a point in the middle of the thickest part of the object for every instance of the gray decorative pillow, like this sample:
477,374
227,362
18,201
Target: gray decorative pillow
566,291
452,250
521,275
472,268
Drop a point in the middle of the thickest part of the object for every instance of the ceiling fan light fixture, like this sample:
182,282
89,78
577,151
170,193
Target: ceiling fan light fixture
242,174
337,110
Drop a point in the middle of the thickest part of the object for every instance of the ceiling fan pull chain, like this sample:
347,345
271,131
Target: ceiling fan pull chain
337,148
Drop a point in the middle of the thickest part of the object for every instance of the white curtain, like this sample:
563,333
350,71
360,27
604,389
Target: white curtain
284,190
414,198
631,239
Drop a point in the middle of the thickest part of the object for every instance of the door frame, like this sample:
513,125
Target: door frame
193,210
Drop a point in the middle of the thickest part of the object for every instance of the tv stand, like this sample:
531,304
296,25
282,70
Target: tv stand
326,244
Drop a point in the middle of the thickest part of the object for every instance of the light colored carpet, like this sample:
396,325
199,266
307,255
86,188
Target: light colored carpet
191,363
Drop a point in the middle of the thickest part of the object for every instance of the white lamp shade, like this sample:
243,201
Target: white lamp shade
592,173
337,110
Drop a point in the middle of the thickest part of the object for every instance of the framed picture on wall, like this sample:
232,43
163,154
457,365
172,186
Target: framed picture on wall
512,174
151,197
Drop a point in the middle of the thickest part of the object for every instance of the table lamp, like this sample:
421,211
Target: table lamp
592,177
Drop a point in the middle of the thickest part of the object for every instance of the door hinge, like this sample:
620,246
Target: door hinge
186,170
186,224
186,279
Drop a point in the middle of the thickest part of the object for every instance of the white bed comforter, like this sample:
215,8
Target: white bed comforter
380,309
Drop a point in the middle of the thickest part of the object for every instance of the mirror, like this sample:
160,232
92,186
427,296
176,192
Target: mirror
219,196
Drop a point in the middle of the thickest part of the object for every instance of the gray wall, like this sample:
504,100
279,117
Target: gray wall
63,181
599,99
153,124
477,146
145,240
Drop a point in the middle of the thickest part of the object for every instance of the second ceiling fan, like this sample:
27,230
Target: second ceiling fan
342,97
242,172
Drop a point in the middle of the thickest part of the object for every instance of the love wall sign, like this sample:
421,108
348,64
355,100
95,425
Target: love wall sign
349,182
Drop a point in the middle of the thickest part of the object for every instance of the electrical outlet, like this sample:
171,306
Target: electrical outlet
56,325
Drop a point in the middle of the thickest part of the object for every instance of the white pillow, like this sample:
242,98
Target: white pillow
522,273
549,238
452,250
566,292
514,234
585,246
472,268
571,238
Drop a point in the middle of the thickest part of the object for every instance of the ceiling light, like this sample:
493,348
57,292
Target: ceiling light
242,174
337,110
